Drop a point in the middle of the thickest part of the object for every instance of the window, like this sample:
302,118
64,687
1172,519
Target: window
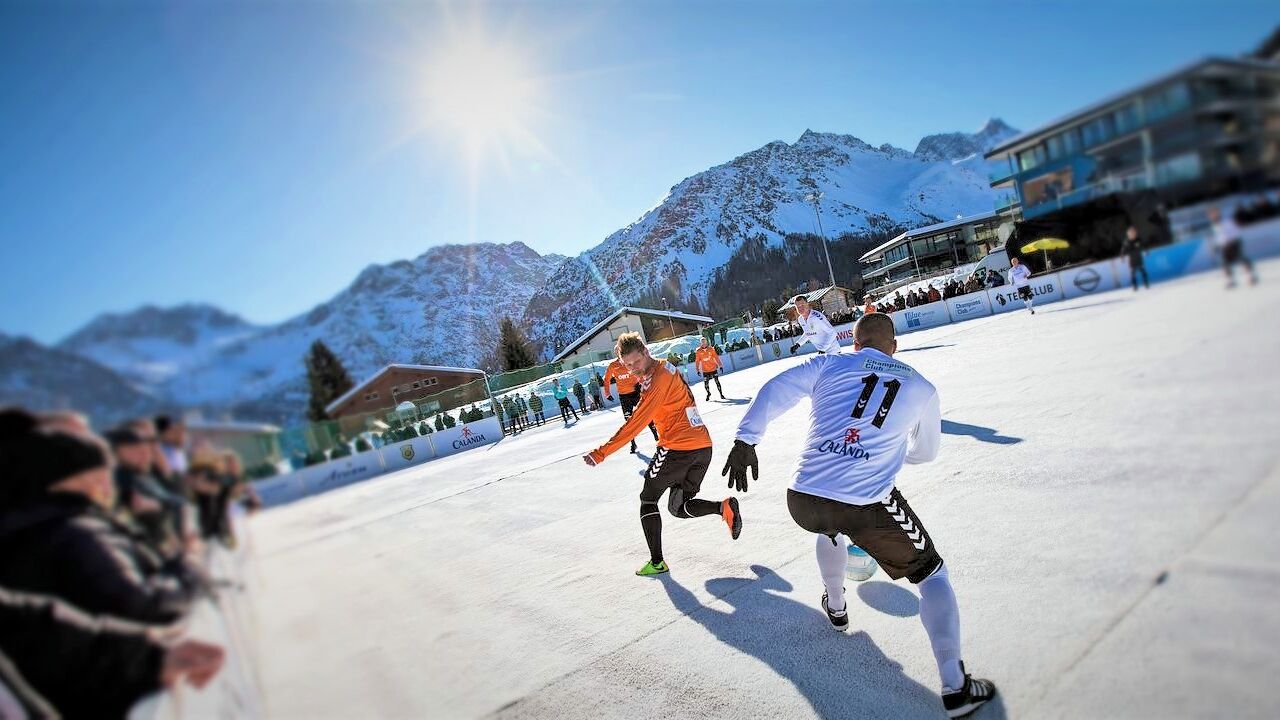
1031,157
1126,119
430,381
1097,131
1167,101
1055,147
1178,169
417,385
371,396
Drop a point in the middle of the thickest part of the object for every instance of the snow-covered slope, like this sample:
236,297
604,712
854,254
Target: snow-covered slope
442,307
151,345
679,244
43,378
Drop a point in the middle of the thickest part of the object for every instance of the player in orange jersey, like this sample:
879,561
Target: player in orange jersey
709,365
628,393
683,454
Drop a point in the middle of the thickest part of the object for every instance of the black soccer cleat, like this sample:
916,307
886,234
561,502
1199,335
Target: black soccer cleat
839,618
963,702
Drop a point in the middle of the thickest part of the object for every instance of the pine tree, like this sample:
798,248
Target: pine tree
514,349
327,379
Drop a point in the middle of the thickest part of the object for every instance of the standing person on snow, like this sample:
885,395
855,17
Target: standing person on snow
562,398
870,413
709,365
683,454
535,404
580,393
817,329
1132,250
1020,276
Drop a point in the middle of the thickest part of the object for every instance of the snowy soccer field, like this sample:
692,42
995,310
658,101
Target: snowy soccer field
1109,473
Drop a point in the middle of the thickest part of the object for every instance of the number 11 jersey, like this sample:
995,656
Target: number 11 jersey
870,414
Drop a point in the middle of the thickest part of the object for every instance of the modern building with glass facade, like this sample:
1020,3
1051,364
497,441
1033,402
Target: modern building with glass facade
1208,129
927,250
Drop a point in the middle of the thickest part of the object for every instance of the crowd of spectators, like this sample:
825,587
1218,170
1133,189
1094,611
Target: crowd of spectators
1257,209
981,280
103,543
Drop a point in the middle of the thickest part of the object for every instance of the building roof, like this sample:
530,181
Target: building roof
927,230
355,389
1028,137
813,296
571,347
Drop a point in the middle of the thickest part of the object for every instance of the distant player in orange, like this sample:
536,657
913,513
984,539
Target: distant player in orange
683,454
628,393
709,365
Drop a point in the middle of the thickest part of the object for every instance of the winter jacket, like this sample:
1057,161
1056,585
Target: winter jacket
535,403
560,392
63,545
81,665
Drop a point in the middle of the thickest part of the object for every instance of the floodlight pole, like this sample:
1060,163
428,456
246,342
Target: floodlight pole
815,198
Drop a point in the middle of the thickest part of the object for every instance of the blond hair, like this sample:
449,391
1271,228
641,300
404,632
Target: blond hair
629,343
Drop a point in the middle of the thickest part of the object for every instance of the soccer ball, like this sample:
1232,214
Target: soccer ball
860,565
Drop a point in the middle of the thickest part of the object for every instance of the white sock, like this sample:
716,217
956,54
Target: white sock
941,617
832,558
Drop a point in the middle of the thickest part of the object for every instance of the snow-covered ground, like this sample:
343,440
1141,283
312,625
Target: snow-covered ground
1109,475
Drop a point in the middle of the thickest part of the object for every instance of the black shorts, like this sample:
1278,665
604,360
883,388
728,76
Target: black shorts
680,470
889,531
708,375
629,402
1024,292
1232,251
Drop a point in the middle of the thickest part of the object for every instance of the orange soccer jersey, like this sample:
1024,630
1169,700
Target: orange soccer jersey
627,383
665,401
708,359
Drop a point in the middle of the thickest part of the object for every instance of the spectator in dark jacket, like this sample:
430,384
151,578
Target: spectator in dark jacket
1131,249
62,661
581,393
56,537
157,510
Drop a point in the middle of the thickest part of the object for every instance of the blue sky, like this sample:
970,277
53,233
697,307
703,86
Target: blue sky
256,156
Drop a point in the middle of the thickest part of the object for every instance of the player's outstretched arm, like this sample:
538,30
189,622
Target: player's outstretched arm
640,419
926,437
777,396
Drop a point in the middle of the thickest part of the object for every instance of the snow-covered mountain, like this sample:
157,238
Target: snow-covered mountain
958,146
703,220
43,378
441,308
151,345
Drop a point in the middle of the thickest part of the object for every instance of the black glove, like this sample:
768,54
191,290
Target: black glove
741,457
794,348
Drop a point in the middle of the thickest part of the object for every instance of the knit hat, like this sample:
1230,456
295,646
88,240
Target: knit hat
35,459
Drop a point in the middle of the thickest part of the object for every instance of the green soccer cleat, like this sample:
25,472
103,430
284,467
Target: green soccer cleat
651,569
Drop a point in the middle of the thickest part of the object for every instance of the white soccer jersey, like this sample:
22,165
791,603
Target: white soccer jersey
1020,276
817,330
1224,231
870,414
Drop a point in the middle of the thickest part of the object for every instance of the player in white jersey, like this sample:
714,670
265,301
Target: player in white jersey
817,328
870,414
1020,276
1226,238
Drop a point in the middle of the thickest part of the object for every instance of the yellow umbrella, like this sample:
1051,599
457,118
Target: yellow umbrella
1045,245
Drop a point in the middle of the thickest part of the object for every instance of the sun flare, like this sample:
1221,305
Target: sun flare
482,94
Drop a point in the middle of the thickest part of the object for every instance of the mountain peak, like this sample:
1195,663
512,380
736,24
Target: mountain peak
958,146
